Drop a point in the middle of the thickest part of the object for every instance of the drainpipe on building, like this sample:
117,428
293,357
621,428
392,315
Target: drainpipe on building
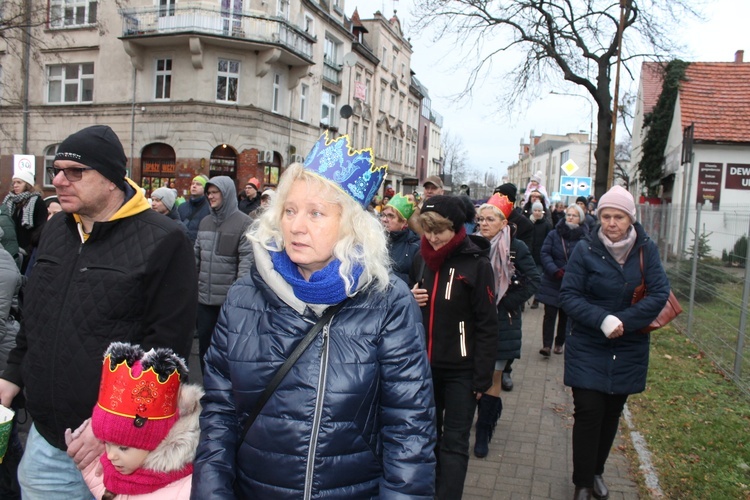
132,125
27,65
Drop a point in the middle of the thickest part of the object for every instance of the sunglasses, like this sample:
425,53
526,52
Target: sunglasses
73,174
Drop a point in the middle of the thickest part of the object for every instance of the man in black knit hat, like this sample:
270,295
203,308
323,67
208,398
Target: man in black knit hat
108,269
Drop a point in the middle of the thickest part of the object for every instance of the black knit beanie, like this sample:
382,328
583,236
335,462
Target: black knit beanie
508,189
97,147
449,207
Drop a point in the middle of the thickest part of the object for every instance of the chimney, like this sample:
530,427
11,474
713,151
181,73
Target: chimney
738,56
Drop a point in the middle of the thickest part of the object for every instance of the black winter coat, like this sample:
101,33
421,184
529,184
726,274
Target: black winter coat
133,280
555,256
460,319
542,227
402,247
595,286
524,227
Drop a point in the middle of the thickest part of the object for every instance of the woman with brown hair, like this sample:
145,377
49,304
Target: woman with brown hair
452,283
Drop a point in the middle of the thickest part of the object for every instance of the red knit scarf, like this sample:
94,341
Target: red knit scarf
435,258
141,481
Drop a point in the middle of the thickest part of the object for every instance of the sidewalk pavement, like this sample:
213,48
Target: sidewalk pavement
531,452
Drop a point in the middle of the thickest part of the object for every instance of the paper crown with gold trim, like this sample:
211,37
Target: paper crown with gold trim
403,205
502,203
351,170
138,395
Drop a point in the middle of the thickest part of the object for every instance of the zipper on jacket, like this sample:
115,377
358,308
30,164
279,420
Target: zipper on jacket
319,400
432,315
462,338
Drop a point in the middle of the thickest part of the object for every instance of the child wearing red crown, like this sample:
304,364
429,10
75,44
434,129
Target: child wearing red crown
148,422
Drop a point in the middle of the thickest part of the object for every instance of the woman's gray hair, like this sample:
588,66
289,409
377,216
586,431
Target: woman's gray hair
362,239
581,213
495,210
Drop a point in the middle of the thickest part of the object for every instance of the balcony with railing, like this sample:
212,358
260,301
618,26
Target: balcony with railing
331,71
148,26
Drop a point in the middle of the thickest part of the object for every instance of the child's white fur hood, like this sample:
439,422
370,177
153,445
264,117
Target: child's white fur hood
179,446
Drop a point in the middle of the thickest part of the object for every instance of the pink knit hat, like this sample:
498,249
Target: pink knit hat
137,404
620,198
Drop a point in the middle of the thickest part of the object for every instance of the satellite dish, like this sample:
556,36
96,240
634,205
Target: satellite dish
350,59
346,111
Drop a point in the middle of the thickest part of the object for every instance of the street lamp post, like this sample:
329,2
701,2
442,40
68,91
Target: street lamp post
591,124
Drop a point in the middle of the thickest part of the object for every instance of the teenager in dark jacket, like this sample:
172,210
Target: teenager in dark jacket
524,232
108,268
196,208
556,250
454,287
354,417
606,356
515,280
403,243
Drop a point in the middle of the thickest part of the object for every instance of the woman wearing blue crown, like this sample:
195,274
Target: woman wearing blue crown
353,415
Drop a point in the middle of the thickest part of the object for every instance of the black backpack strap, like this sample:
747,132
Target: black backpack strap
290,361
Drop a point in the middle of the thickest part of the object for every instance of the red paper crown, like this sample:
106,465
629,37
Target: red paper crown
142,396
502,203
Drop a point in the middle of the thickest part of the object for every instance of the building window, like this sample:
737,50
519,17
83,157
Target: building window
304,91
384,60
368,83
70,83
331,49
393,65
163,79
403,70
72,13
282,9
166,8
382,97
365,139
392,106
328,109
49,161
355,134
227,80
564,156
309,25
276,92
379,144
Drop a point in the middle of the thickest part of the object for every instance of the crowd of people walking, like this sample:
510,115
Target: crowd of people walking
347,346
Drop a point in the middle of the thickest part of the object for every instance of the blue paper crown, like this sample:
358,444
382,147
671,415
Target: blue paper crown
352,170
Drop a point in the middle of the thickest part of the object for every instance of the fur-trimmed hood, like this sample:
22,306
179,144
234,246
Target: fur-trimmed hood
178,448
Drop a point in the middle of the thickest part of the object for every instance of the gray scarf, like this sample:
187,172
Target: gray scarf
620,249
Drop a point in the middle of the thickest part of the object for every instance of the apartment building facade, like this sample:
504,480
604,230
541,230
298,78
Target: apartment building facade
224,87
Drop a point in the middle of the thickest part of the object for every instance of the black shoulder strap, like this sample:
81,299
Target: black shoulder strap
290,361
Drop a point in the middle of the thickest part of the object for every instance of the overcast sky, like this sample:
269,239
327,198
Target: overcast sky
492,140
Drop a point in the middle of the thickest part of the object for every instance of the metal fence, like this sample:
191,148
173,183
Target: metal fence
708,271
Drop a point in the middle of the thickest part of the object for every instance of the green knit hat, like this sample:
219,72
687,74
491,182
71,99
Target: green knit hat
402,204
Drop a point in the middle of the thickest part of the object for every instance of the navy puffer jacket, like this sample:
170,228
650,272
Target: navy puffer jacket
402,247
354,418
509,310
555,255
594,286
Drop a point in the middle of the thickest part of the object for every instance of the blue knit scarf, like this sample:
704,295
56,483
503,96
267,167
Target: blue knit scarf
324,287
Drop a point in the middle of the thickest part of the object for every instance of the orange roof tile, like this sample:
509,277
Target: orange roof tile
652,79
716,97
